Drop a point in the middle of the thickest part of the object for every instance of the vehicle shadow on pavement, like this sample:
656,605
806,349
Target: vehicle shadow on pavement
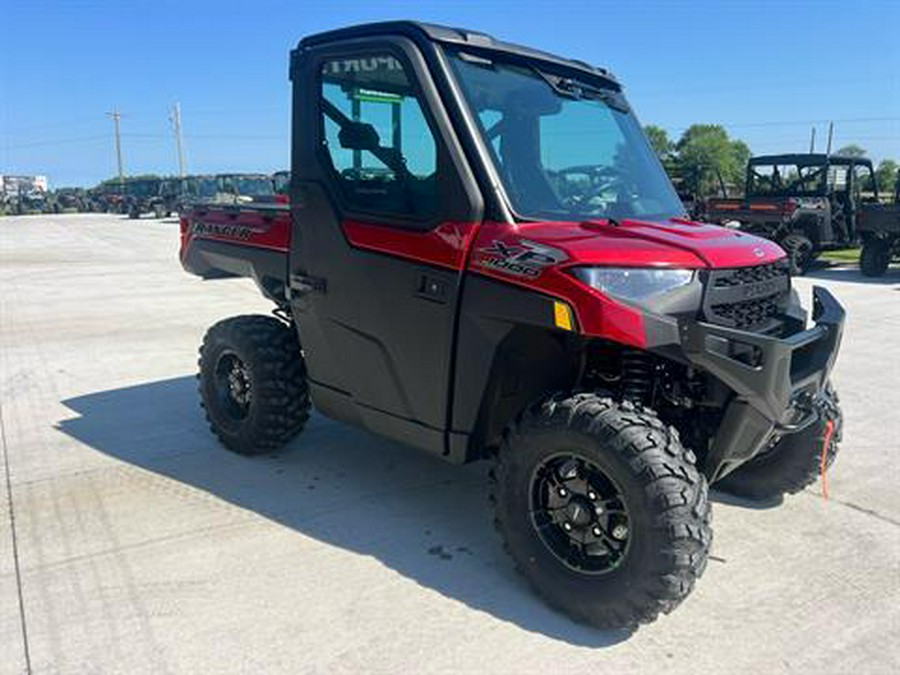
425,519
852,275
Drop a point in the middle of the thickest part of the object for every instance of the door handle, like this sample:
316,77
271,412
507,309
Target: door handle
301,283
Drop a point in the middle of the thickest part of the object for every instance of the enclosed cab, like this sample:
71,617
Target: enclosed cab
483,259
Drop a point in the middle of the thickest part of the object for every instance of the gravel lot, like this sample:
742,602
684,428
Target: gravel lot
130,542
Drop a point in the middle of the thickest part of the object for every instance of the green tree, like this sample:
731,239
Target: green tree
851,150
705,152
886,175
659,141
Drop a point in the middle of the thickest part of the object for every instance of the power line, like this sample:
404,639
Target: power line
82,139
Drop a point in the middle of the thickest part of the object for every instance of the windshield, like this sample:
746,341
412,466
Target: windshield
143,188
564,149
202,187
253,186
782,180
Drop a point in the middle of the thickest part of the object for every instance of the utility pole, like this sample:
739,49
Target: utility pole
176,125
812,141
830,135
116,116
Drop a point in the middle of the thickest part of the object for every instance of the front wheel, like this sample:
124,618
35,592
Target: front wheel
874,258
602,509
801,252
794,461
253,383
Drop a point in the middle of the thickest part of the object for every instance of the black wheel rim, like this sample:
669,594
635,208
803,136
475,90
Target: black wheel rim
579,514
234,389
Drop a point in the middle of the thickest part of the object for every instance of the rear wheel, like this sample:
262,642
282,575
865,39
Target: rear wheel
874,258
253,383
159,212
795,461
602,509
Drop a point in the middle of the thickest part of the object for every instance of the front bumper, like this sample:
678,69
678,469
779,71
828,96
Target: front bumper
774,380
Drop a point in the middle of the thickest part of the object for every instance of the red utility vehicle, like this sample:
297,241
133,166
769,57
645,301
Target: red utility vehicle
483,258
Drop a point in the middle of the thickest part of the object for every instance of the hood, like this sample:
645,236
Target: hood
663,243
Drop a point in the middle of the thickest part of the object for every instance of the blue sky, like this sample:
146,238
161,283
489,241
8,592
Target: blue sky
758,67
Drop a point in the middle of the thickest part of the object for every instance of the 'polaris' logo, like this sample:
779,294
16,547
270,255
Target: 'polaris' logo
761,288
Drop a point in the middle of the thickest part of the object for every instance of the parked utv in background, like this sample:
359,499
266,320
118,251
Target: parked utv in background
282,182
146,195
879,229
454,273
807,203
70,199
28,201
110,198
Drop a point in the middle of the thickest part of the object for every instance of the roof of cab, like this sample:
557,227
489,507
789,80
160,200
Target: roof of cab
808,158
456,36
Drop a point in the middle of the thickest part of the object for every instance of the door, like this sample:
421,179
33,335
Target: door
864,189
384,209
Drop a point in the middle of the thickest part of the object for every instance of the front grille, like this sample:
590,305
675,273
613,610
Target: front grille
748,275
746,298
746,315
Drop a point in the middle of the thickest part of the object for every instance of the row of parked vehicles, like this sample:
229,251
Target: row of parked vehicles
810,203
161,197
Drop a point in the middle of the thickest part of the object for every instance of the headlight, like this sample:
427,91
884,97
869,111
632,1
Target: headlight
633,283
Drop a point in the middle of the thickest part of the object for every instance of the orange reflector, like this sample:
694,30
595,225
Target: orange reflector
823,459
562,315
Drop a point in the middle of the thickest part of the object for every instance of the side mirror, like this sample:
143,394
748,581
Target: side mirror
359,136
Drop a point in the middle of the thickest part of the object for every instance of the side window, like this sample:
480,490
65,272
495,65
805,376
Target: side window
383,152
837,178
863,182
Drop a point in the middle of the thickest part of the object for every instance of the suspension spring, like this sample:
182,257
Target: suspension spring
637,375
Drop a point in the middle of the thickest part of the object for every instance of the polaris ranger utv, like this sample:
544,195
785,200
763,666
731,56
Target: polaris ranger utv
879,228
806,203
482,258
149,195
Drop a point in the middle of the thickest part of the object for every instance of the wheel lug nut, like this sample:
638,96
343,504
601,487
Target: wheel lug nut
596,531
567,527
592,496
563,492
598,510
620,532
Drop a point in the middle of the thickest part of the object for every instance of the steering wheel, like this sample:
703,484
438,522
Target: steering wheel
600,180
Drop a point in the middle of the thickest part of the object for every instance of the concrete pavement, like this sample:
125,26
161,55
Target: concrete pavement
143,547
